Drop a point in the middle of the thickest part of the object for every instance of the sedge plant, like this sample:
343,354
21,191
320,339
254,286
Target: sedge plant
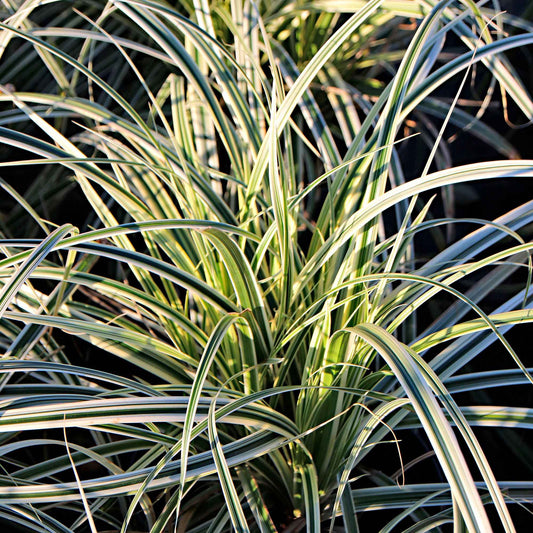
234,292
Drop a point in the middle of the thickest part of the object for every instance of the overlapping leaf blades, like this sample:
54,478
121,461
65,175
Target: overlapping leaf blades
250,326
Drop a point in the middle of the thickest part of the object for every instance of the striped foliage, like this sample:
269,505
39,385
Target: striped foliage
242,325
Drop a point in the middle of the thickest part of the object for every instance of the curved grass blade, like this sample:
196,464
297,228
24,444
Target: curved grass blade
11,287
435,424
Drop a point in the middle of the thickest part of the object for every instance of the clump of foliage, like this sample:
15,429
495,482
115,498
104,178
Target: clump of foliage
221,260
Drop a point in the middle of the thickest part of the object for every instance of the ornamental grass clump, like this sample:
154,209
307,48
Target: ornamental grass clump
234,290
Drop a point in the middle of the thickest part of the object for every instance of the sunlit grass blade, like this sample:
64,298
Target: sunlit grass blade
23,272
269,319
437,428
